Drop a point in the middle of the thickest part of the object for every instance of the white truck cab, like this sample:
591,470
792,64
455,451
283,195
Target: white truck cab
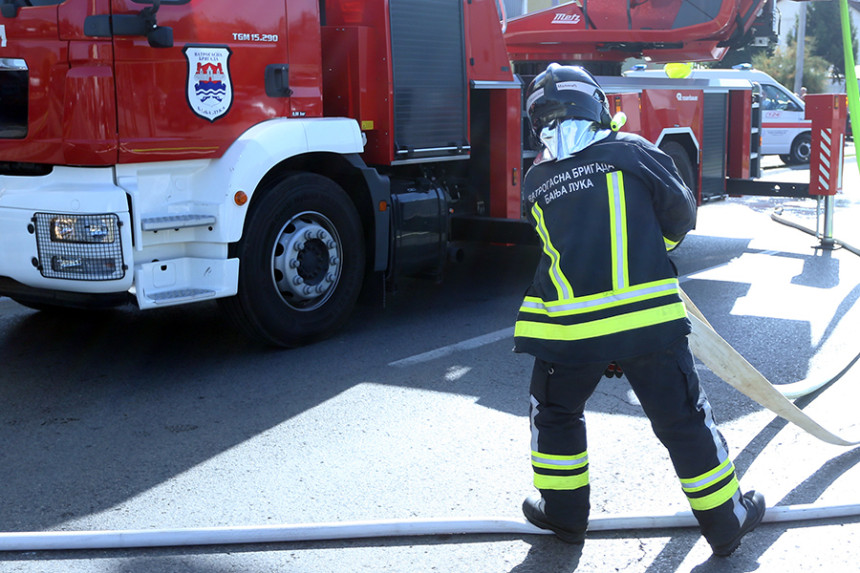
785,131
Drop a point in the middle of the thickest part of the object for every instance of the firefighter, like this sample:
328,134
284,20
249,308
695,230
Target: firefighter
608,207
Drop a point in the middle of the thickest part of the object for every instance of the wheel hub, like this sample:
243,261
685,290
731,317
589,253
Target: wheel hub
307,261
804,150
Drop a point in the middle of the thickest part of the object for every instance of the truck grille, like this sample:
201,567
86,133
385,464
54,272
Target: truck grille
79,247
14,79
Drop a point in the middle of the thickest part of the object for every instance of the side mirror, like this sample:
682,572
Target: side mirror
141,24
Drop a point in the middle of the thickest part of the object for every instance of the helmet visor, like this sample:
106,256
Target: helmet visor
565,138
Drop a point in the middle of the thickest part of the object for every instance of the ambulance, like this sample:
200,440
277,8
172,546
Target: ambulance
785,131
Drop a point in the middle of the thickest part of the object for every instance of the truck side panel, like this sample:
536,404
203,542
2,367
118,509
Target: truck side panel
32,42
211,86
356,51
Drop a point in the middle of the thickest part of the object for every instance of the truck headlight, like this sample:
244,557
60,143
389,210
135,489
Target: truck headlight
79,247
83,229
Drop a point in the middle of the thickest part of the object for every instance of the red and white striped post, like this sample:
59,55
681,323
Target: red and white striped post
828,113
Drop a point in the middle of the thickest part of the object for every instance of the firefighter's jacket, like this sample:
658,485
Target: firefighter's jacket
605,288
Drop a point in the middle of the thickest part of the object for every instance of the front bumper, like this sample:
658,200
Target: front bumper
69,230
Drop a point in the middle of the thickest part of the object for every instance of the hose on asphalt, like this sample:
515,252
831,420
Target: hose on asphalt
782,220
805,387
728,364
715,352
149,538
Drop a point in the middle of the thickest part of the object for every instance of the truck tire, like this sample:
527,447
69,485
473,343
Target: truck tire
301,262
801,149
682,162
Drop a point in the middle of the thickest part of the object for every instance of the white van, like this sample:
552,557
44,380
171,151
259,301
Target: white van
785,131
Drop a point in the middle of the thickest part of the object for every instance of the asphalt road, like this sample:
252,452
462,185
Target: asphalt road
169,419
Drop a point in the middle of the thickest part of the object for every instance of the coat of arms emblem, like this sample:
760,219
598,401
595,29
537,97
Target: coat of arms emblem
209,88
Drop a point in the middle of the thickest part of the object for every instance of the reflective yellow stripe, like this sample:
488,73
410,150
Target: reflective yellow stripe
561,482
562,286
669,244
717,498
618,229
708,479
601,327
602,300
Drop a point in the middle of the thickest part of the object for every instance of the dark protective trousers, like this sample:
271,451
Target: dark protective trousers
668,388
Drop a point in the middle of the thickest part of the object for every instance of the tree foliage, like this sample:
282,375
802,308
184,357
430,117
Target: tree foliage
744,55
824,27
823,55
782,66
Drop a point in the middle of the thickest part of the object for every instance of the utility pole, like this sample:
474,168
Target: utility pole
801,47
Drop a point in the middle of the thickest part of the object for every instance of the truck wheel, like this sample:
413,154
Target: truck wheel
301,262
682,161
801,149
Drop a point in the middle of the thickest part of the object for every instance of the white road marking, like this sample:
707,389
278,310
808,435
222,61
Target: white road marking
470,344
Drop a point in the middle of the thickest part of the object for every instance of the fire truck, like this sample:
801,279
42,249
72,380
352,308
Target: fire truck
276,154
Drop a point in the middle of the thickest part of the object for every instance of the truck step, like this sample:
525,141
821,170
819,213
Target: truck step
180,295
183,280
161,223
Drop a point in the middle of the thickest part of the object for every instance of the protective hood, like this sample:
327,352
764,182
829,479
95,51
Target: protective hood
566,138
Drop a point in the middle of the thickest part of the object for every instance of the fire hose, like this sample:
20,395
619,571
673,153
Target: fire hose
728,364
147,538
708,346
717,354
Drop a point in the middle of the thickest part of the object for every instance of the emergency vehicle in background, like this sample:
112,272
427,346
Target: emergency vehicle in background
785,131
276,154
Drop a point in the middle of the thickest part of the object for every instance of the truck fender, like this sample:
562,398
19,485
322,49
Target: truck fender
264,146
681,134
682,146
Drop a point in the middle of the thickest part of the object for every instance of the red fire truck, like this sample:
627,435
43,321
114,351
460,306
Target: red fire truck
275,154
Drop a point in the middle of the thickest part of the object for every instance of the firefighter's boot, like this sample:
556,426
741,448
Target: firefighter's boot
534,508
755,506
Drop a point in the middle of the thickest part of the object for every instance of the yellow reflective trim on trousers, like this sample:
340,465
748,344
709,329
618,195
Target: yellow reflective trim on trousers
602,300
601,327
561,482
708,479
618,228
562,285
669,244
717,498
